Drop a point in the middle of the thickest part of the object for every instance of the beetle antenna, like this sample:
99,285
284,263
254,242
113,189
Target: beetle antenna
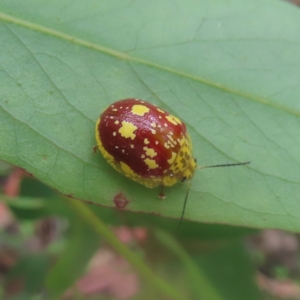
190,182
184,205
225,165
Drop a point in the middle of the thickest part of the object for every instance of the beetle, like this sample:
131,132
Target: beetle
145,143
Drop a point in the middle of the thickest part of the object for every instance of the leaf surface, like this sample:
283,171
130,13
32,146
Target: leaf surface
230,70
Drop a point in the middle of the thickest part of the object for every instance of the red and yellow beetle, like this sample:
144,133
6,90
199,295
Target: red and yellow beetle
145,143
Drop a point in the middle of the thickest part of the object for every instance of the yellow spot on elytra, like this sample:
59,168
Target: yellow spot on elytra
161,111
171,160
131,146
170,143
150,152
114,133
139,110
177,120
166,125
171,139
153,131
181,142
127,130
156,142
143,156
173,120
146,141
153,125
117,122
151,163
114,109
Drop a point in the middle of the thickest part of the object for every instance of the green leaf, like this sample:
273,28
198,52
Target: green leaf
72,263
25,208
230,271
201,286
230,70
32,269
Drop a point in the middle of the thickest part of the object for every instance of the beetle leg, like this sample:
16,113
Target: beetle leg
161,195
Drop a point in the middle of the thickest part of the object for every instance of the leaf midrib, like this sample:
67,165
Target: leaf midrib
124,56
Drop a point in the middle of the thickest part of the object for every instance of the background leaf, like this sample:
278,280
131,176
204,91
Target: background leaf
230,271
229,69
81,246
